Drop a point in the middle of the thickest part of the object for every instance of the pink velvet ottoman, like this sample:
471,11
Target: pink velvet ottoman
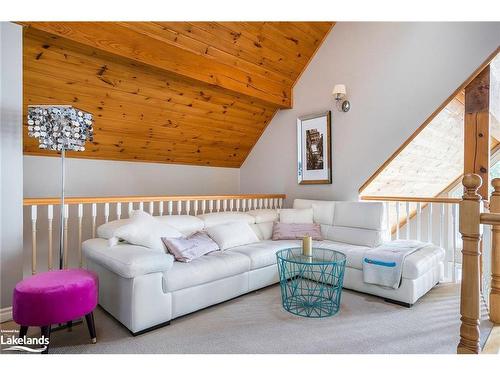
55,297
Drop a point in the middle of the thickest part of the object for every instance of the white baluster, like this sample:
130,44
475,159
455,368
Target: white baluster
106,212
210,205
275,203
266,203
407,220
388,219
237,204
118,211
397,220
170,207
195,207
130,208
255,204
419,221
80,220
33,239
160,208
179,207
224,205
454,231
243,205
441,225
261,203
280,203
141,206
94,215
217,205
203,206
151,208
231,205
188,207
429,223
50,217
65,252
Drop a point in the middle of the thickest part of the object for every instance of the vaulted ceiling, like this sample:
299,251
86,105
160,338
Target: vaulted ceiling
196,93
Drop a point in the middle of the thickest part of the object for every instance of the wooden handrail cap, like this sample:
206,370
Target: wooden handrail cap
472,181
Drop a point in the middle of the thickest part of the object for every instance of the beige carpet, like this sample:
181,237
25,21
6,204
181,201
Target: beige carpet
256,323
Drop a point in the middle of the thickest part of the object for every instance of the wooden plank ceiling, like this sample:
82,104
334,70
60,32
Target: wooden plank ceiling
196,93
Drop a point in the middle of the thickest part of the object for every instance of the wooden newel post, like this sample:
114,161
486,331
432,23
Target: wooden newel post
470,209
495,255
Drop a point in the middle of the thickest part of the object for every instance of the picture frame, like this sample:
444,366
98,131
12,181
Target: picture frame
314,149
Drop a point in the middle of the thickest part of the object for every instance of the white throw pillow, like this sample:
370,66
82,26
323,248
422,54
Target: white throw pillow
233,234
108,230
145,230
296,215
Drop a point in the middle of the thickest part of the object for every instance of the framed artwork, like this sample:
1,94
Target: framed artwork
314,149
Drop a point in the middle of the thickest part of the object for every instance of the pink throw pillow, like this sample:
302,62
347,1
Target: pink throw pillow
186,249
289,231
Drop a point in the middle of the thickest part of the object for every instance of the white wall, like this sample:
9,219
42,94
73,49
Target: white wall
85,177
396,75
11,166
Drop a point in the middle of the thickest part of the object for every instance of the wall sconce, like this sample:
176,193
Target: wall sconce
339,94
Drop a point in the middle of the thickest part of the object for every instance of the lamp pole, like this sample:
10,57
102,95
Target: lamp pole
61,229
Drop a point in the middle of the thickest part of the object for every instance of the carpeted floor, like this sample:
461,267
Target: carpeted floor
256,323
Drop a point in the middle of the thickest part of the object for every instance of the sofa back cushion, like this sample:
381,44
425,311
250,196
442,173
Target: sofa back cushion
357,223
264,231
217,218
296,216
264,215
228,235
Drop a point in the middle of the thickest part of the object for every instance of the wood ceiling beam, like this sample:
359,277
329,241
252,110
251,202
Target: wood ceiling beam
134,45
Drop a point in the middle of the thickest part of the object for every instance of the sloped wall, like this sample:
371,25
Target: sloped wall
396,75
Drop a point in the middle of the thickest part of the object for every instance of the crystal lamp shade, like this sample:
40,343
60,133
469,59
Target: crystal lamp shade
60,127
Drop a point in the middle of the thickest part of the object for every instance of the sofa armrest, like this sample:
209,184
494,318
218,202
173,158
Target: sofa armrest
126,260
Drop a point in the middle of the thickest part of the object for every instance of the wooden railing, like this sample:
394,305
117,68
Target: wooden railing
431,219
471,219
104,209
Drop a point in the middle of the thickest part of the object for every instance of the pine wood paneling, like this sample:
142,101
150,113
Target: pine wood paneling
190,93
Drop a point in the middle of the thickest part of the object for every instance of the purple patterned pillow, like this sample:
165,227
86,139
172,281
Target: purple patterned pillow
185,249
289,231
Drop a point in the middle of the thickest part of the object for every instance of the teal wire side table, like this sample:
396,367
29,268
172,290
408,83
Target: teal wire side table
311,286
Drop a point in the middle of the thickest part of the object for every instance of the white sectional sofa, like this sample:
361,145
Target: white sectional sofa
144,289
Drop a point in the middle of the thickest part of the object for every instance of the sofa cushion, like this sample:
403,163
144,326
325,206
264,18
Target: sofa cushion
264,215
264,231
216,218
211,267
232,234
323,212
263,253
296,216
366,215
126,260
186,224
185,249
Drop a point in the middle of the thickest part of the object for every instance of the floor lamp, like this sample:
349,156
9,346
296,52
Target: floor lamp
60,128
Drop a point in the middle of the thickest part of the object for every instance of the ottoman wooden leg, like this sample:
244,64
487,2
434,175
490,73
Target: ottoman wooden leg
46,333
90,323
23,330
